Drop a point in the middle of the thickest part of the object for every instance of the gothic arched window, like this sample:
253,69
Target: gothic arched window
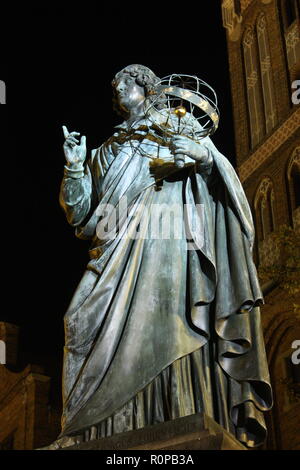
289,10
293,177
237,7
253,85
264,209
289,13
266,73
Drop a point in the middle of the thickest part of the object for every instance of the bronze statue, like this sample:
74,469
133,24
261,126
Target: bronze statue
157,330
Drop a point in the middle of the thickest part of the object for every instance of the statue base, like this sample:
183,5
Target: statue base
194,432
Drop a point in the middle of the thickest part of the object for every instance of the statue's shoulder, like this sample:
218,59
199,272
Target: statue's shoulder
102,157
93,153
103,147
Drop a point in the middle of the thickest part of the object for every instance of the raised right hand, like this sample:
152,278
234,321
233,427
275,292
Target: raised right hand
75,154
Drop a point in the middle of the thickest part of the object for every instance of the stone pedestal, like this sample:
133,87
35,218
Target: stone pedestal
194,432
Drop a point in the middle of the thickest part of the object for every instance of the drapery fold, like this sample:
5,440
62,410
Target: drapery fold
145,304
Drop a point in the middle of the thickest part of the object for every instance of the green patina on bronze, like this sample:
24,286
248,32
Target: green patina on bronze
155,330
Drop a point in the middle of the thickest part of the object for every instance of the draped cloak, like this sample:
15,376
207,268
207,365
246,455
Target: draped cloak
143,303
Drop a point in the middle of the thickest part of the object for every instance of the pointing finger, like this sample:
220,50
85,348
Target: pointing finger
83,140
65,131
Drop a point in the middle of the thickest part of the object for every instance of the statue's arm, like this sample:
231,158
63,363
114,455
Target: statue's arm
206,164
75,194
202,154
76,187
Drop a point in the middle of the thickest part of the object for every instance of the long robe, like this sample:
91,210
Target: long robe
148,306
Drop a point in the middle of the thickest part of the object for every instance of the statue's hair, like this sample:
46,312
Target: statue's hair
144,77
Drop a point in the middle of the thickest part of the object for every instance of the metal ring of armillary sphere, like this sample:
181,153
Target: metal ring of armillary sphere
185,105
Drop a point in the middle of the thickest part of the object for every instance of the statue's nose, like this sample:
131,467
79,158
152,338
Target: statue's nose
119,88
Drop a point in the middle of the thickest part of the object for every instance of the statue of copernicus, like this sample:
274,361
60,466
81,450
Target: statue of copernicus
157,330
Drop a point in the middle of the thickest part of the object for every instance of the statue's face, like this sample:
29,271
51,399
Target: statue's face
130,95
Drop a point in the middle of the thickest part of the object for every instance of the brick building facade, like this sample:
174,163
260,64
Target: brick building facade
263,38
27,417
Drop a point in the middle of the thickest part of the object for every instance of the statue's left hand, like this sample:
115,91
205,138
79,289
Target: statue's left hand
184,145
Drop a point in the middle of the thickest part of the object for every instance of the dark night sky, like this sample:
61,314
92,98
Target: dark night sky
60,73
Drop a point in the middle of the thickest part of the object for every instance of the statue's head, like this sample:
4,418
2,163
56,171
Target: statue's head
140,75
